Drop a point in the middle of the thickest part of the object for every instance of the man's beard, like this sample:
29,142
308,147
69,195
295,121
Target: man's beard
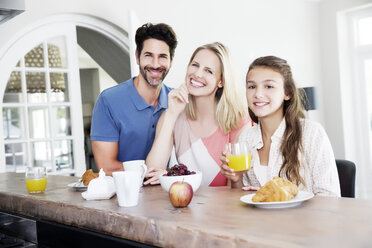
153,82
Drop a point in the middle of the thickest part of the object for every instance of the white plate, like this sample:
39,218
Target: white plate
300,197
78,186
90,197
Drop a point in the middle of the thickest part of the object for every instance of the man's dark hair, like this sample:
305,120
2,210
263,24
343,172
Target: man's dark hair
160,31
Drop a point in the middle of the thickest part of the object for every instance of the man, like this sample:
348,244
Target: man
125,116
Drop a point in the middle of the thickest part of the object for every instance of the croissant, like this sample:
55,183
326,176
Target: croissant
277,189
87,176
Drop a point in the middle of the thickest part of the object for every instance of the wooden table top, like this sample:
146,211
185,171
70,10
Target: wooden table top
214,218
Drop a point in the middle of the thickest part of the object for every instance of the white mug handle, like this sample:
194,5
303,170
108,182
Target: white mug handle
144,171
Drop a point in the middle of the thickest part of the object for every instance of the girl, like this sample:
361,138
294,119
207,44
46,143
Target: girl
283,143
203,115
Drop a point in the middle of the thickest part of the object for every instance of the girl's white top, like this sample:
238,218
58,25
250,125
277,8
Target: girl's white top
318,165
261,174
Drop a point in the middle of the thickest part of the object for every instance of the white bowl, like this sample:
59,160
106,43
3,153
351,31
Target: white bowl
194,180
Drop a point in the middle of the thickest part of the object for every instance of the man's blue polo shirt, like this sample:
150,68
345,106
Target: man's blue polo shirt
122,115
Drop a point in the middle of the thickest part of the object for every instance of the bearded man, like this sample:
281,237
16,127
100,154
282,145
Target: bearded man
125,116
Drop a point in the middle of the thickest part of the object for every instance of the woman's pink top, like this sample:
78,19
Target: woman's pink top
202,154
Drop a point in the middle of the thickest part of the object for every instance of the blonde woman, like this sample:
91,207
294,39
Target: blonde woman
203,115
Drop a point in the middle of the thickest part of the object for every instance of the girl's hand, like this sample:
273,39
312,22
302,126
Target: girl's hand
227,171
250,188
177,99
152,176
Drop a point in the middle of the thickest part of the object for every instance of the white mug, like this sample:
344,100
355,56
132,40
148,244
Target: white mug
127,185
136,165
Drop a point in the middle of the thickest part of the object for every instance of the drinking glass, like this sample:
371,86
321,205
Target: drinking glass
240,157
36,179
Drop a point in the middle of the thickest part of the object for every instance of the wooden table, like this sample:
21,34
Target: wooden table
214,218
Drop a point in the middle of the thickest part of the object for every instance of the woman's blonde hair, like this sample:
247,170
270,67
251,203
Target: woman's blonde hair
230,99
293,111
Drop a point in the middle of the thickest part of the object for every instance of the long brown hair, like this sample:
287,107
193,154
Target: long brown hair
293,111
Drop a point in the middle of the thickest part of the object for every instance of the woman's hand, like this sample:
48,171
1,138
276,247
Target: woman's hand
152,176
177,99
228,172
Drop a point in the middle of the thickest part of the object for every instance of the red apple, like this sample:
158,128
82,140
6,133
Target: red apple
180,194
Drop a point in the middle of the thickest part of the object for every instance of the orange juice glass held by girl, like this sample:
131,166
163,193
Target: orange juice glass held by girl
283,142
240,156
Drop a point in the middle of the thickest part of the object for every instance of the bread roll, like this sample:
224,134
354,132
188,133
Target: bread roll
88,175
277,189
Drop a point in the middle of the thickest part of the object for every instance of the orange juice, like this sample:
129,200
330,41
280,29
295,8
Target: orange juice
240,162
36,185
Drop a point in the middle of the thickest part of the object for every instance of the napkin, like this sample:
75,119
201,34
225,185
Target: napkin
100,188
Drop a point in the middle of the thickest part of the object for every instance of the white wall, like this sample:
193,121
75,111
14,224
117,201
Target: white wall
104,79
286,28
301,31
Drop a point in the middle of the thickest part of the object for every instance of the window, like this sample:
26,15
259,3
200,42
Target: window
363,57
40,96
364,33
41,105
36,110
356,88
368,79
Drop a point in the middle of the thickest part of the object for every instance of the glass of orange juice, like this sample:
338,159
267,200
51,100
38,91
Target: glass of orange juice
36,179
241,157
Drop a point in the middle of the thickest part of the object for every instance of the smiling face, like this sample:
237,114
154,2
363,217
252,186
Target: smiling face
154,61
203,75
265,92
